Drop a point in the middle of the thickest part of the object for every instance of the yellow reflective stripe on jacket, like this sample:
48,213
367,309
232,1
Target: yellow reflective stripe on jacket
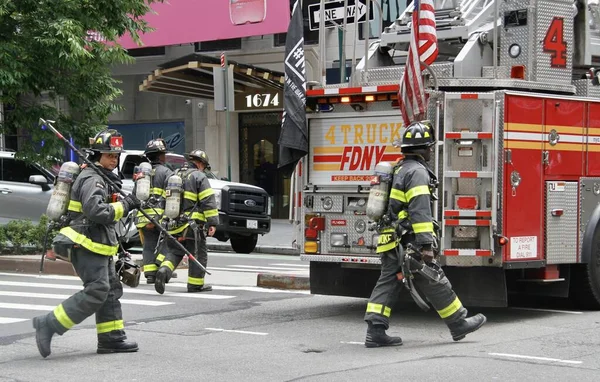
206,193
158,191
416,191
379,309
398,195
195,280
386,241
118,207
61,316
450,309
85,242
190,196
109,326
211,213
151,211
179,229
386,247
75,206
402,215
197,216
422,227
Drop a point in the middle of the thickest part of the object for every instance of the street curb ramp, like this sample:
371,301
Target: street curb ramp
275,281
32,266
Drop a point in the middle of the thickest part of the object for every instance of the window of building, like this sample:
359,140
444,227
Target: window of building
218,45
310,37
145,52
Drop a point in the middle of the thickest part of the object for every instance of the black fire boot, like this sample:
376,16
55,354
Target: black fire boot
468,325
43,335
117,347
161,279
377,337
199,288
150,279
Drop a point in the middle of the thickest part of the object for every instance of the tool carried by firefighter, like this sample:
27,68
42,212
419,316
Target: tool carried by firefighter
49,124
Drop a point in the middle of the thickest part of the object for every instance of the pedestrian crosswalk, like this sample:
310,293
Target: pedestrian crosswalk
24,296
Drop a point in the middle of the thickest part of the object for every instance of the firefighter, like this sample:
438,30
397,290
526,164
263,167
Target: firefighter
90,241
155,151
409,208
198,211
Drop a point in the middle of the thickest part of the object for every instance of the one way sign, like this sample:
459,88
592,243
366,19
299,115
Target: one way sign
334,12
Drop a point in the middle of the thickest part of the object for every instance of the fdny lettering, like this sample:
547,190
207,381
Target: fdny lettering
384,238
359,133
360,158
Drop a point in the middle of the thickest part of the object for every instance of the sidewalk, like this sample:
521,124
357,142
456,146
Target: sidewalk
279,241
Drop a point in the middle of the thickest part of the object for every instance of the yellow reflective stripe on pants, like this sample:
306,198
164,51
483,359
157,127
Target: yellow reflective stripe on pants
398,195
206,193
168,264
160,257
211,213
118,207
109,326
85,242
422,227
158,191
61,316
450,309
150,267
190,196
402,215
379,309
75,206
195,281
416,191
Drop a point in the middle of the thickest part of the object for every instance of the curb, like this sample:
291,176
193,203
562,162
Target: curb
275,281
266,249
19,265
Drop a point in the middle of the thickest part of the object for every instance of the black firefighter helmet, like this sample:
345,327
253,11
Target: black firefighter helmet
156,146
418,135
107,141
199,155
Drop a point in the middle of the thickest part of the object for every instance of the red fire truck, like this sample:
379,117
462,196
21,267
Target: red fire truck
518,156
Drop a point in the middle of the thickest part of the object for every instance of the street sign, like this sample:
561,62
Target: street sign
334,12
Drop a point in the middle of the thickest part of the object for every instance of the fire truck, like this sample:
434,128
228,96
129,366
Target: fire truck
515,101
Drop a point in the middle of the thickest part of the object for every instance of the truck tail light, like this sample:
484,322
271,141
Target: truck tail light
311,247
311,233
317,223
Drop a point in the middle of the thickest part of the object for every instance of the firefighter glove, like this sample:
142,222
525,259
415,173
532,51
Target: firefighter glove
132,202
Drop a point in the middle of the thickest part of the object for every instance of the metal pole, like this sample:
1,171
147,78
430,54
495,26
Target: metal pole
367,34
495,50
343,58
353,75
227,126
322,52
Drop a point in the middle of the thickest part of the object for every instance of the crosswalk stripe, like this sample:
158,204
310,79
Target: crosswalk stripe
262,267
254,270
127,291
246,288
65,296
10,320
6,305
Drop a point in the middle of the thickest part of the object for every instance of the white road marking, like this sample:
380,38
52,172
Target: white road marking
237,331
352,343
245,288
65,296
269,268
127,291
262,270
536,358
6,305
548,310
9,320
42,276
291,265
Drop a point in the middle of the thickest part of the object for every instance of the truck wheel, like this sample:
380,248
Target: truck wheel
243,244
585,280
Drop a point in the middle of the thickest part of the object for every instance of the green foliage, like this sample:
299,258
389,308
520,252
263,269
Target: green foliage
17,233
49,51
24,235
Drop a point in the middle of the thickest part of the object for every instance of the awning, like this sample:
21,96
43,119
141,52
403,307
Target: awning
192,76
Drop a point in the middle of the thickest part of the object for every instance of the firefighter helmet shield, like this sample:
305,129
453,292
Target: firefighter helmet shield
198,155
156,146
107,141
418,134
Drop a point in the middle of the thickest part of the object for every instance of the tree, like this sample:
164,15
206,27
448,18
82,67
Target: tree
50,52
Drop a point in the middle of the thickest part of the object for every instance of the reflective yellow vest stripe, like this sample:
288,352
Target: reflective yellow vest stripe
85,242
206,193
75,206
118,207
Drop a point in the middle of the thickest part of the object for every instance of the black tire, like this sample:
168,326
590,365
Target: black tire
243,244
585,280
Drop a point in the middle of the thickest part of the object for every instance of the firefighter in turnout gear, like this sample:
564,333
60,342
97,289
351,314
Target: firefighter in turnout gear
412,226
90,241
198,210
155,151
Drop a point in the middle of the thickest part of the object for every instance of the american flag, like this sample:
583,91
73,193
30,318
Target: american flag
423,47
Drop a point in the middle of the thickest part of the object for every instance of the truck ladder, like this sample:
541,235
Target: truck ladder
469,175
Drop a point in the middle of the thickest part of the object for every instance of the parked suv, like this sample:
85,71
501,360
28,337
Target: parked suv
244,210
25,189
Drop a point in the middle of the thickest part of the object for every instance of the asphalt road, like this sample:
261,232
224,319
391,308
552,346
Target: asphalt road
248,334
